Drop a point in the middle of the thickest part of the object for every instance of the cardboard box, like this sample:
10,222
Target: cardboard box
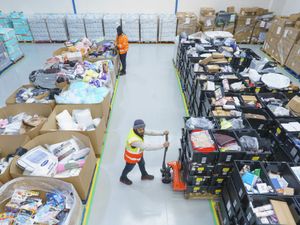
283,212
297,25
230,9
294,104
81,182
207,22
7,147
207,12
291,34
279,24
96,136
253,11
246,21
294,17
31,109
187,22
294,59
282,49
267,47
11,100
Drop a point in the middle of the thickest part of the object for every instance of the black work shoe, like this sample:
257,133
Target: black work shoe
125,180
122,73
147,177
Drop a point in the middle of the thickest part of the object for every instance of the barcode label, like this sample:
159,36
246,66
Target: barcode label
203,160
278,30
228,158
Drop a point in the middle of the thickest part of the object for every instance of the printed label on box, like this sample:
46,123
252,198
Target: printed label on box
294,152
228,158
187,20
285,33
257,90
218,191
220,180
201,169
196,189
262,24
226,170
208,23
255,158
198,180
232,18
248,21
278,131
268,25
278,30
203,160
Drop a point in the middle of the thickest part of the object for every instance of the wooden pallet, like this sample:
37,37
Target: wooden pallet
201,196
1,71
272,57
19,59
42,42
219,215
292,72
26,42
166,42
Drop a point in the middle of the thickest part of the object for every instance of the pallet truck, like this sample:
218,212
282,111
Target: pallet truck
178,184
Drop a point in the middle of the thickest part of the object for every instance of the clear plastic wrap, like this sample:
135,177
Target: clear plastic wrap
201,122
47,185
249,143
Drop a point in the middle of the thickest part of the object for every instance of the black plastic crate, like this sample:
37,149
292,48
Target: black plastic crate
284,170
265,152
228,204
255,121
291,148
280,132
228,156
245,123
239,185
198,180
215,190
199,157
222,169
257,201
217,180
197,189
233,195
196,169
225,218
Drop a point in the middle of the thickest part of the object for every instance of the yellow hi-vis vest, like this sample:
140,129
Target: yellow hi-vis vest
133,155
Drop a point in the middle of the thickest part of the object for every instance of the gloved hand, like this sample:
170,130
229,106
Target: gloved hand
166,144
166,132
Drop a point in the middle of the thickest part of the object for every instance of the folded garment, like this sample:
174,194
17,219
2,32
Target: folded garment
255,116
202,141
223,139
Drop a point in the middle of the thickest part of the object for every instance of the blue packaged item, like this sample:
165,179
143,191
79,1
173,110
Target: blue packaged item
249,178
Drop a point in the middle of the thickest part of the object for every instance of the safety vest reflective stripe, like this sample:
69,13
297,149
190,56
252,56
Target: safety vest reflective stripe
130,160
132,154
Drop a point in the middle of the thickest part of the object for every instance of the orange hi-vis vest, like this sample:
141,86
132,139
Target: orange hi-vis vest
133,155
122,43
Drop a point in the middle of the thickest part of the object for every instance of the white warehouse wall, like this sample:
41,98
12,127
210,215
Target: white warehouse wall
37,6
290,7
130,6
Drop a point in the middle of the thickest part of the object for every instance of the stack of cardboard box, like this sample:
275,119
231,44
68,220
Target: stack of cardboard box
207,19
281,38
263,23
187,22
245,24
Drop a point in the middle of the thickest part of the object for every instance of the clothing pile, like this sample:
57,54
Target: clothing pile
235,123
226,142
227,102
34,95
4,163
82,45
200,123
202,141
29,207
80,120
280,184
61,160
80,92
20,124
253,182
291,126
276,106
266,214
219,111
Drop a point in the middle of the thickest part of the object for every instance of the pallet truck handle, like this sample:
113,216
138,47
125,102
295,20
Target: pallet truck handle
165,153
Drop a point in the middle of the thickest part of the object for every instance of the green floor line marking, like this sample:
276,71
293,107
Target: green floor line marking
182,94
213,211
97,172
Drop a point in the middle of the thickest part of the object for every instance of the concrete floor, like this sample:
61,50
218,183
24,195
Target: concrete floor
149,91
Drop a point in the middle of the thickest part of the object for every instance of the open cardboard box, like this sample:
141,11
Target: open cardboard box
31,109
11,100
96,136
83,180
7,147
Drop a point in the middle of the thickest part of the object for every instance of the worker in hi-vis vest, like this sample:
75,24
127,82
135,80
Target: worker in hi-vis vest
122,45
135,147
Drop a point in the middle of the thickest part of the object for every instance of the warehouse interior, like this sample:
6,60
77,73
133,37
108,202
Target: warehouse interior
206,93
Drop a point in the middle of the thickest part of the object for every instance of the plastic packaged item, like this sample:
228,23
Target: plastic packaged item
199,122
249,143
73,217
61,167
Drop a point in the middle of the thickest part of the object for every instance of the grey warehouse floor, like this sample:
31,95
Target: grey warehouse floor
149,91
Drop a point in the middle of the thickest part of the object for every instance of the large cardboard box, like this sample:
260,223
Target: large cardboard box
243,36
81,182
31,109
187,22
282,50
279,24
243,21
230,9
7,147
244,28
96,136
207,12
291,34
12,98
267,47
207,22
248,11
294,59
